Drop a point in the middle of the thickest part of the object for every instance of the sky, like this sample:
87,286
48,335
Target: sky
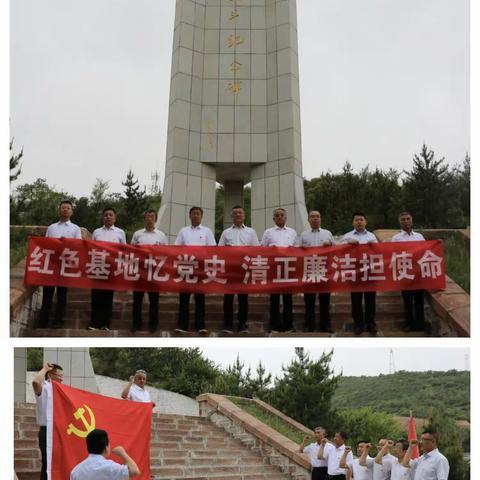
354,361
89,86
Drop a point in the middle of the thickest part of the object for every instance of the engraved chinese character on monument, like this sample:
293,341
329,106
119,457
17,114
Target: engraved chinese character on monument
234,113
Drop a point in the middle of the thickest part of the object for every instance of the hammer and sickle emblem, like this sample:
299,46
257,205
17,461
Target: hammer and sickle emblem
80,415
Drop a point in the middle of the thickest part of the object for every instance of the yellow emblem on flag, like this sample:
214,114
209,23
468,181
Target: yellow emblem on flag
80,415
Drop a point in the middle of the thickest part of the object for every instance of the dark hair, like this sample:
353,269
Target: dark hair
404,443
433,433
106,209
402,214
237,206
97,441
342,434
362,441
195,208
65,201
55,367
150,210
358,214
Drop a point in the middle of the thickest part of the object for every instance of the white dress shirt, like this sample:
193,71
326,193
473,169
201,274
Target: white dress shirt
399,472
361,472
315,238
312,450
279,237
97,467
64,229
41,403
362,237
112,234
333,456
431,466
149,237
198,235
383,471
403,236
238,236
138,394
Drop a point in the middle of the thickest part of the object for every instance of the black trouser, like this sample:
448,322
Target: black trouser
359,317
413,306
152,312
42,444
319,473
324,299
336,477
47,299
102,305
228,310
275,322
183,313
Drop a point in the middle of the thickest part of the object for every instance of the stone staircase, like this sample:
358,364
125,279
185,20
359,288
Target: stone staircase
389,317
182,447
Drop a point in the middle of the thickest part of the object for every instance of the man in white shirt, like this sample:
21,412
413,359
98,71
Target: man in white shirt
280,236
382,467
102,300
194,234
135,389
64,228
97,467
392,469
237,235
149,235
42,387
432,465
319,467
333,454
360,235
413,300
316,237
361,467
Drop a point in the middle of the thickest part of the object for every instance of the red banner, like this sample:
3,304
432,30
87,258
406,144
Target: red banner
74,413
371,267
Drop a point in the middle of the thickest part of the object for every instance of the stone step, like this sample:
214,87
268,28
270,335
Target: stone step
182,447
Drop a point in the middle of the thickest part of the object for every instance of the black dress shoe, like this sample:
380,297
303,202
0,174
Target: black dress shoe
327,329
372,329
358,329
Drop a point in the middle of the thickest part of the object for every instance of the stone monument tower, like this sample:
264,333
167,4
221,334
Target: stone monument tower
234,112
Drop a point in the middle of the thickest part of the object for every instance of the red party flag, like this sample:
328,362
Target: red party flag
72,414
412,435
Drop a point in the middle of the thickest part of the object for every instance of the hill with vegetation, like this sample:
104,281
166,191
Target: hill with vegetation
401,392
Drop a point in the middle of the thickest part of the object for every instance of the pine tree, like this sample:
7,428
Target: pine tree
15,162
428,190
134,202
305,391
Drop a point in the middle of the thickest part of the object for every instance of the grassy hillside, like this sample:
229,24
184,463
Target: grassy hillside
401,392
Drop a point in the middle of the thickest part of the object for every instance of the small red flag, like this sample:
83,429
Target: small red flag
73,413
412,435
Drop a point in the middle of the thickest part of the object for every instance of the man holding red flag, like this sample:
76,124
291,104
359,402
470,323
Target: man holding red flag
73,414
96,464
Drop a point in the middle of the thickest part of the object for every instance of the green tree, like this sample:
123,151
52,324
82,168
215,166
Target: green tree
15,162
34,359
134,202
305,391
450,441
35,203
367,424
429,193
181,370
